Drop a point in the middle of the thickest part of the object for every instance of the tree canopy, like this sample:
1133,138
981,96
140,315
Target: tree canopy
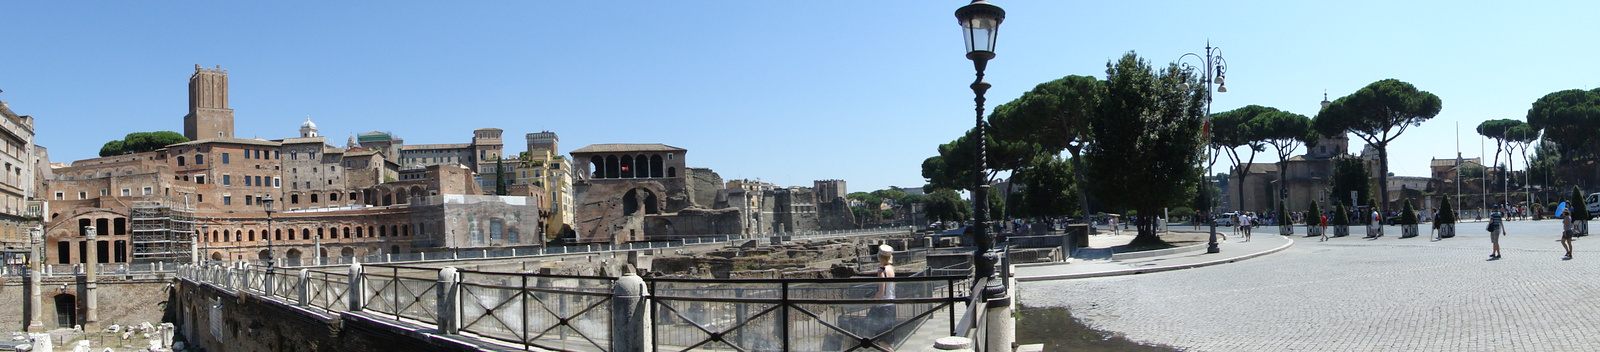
947,205
1055,116
139,142
952,168
1378,113
1146,139
1569,118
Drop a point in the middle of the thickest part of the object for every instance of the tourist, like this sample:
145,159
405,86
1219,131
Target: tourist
1495,228
883,315
1244,226
1566,232
1375,226
1324,227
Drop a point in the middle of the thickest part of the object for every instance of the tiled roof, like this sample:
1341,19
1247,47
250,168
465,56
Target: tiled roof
623,147
232,141
436,146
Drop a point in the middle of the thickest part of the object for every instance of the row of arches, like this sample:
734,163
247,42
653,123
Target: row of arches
305,233
294,254
630,166
398,195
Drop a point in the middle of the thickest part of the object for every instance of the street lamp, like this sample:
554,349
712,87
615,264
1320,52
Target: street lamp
1214,71
980,22
266,204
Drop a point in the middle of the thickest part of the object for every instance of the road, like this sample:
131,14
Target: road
1354,294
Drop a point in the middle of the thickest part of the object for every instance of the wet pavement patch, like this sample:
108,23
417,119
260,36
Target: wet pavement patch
1059,331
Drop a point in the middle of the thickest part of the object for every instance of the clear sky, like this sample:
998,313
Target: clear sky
788,92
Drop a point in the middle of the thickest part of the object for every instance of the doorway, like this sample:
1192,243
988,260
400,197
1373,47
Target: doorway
66,311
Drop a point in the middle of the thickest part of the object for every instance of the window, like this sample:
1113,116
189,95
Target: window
258,182
247,181
294,199
227,180
147,190
200,198
180,161
258,154
227,200
199,159
105,192
224,158
277,182
83,195
200,179
61,195
248,200
275,154
313,197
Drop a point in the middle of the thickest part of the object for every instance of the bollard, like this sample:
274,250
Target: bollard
303,288
630,313
449,301
355,290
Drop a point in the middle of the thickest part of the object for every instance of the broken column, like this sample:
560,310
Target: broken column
92,314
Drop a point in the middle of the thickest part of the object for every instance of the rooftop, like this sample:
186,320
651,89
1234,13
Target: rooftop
624,147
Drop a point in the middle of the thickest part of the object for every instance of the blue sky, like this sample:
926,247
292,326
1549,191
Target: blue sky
788,92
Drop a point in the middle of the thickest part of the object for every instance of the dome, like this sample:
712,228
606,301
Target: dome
308,124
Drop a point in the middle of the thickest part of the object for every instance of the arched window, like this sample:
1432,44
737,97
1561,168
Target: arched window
358,232
672,172
655,165
180,160
319,233
405,230
641,165
383,231
613,169
305,234
394,230
313,197
627,166
598,166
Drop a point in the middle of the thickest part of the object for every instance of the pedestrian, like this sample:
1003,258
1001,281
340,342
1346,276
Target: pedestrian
1566,233
1435,231
1324,226
884,314
1495,228
1113,222
1244,226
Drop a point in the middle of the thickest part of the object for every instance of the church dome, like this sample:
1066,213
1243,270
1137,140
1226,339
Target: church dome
308,124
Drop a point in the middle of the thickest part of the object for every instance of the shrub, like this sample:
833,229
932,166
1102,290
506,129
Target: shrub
1313,215
1341,217
1447,212
1409,215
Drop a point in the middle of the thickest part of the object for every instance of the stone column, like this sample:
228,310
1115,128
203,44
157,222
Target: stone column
355,291
449,301
630,314
92,314
1001,331
951,343
35,292
303,289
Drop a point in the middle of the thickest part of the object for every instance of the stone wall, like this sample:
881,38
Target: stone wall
703,186
120,302
835,215
222,321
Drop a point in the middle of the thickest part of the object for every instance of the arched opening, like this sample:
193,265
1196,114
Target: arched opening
395,249
333,232
358,232
264,255
66,310
650,201
658,227
630,202
383,231
347,232
405,230
655,165
611,167
388,199
319,233
598,166
672,172
226,237
216,256
347,252
394,230
324,253
627,166
292,254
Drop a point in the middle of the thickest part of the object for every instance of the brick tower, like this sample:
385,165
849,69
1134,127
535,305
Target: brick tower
209,116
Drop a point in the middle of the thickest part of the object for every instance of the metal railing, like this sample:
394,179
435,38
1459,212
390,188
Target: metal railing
567,313
869,314
401,291
329,291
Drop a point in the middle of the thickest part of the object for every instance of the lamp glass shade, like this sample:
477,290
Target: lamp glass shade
980,22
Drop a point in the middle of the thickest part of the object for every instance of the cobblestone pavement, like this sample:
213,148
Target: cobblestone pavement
1354,294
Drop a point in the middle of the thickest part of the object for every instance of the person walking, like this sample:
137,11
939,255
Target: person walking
883,315
1244,225
1566,232
1324,225
1496,226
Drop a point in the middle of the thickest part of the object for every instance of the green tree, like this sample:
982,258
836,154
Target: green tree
1409,215
1497,130
997,206
1378,113
1579,210
1447,212
1313,215
1286,132
1054,115
952,168
947,205
1237,128
1048,192
1149,123
500,178
1569,118
1341,216
139,142
1350,174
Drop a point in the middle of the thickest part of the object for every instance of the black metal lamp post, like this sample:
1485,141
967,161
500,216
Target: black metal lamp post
1213,72
266,204
980,22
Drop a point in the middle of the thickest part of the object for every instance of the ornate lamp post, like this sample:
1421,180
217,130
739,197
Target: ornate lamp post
266,204
1213,72
980,22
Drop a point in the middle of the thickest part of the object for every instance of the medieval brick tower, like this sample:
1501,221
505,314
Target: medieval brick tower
209,116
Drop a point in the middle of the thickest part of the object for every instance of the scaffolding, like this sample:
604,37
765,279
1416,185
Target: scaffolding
161,233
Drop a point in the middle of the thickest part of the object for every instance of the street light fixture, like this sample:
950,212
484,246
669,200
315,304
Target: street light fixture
980,23
266,204
1214,71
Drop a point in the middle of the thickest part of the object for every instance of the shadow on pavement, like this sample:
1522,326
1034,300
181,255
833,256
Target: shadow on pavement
1059,331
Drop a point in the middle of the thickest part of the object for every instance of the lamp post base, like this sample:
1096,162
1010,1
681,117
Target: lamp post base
1211,245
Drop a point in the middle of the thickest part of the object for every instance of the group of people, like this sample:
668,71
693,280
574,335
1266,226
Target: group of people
1497,228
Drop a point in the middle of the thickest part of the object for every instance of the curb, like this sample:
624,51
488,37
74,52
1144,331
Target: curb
1133,271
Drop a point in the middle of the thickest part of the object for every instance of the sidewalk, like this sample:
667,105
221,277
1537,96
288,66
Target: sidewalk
1265,242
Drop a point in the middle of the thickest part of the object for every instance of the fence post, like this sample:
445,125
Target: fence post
356,289
304,287
449,301
630,314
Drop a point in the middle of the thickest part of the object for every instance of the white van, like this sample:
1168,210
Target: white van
1593,203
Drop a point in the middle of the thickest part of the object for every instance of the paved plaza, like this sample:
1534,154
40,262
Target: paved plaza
1355,294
